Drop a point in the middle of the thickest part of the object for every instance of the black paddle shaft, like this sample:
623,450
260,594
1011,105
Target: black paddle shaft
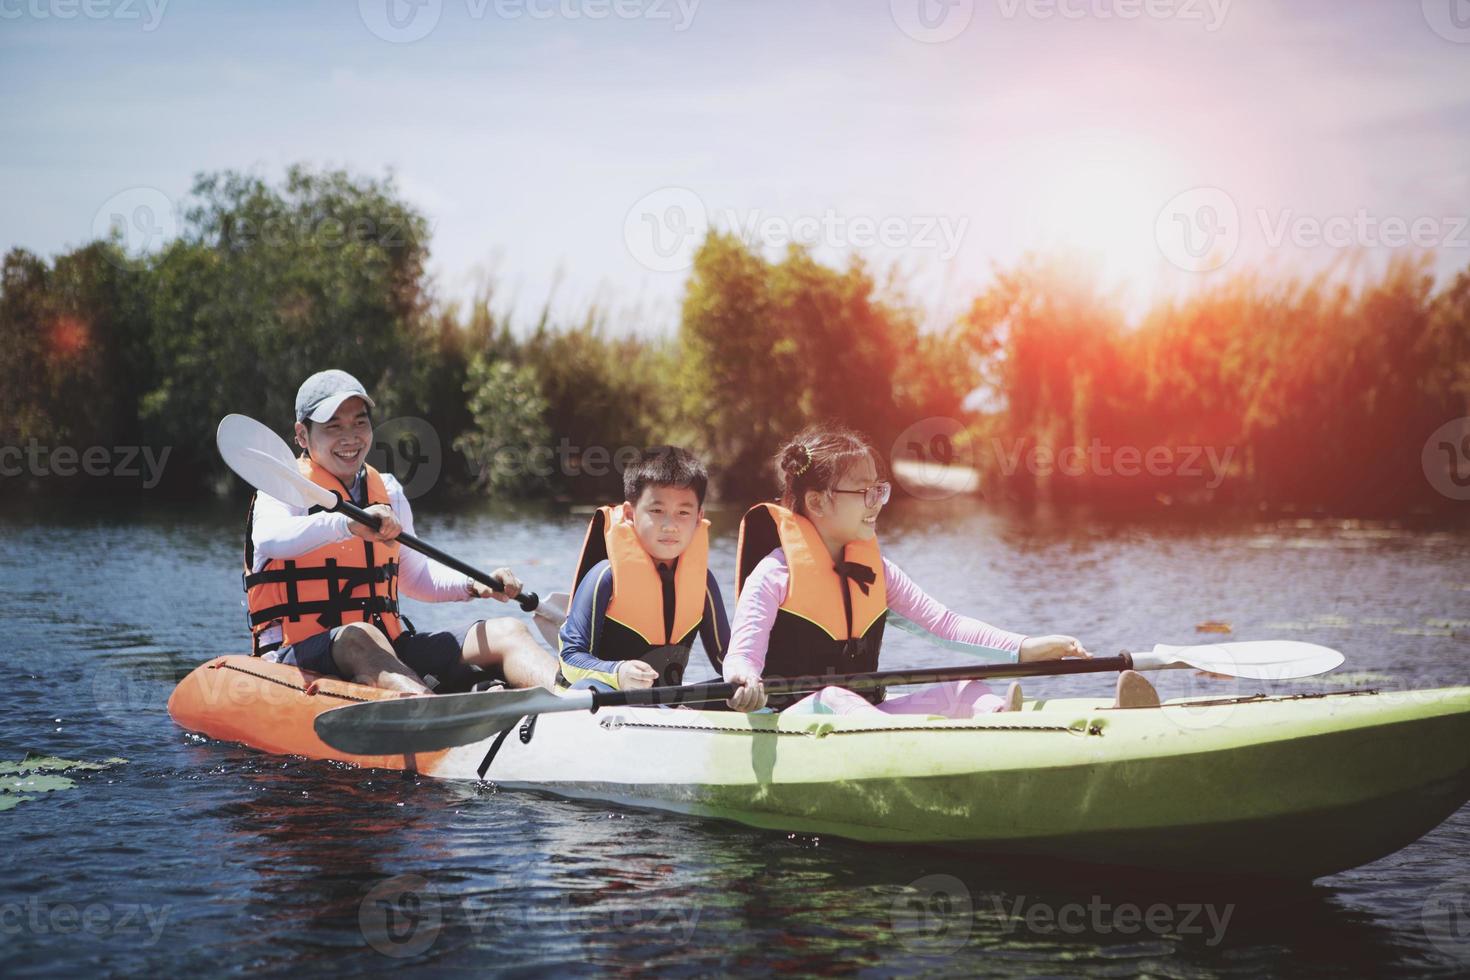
702,693
528,600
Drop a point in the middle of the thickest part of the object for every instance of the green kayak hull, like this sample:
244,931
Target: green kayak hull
1293,788
1287,787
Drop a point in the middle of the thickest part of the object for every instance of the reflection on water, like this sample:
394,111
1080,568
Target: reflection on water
243,861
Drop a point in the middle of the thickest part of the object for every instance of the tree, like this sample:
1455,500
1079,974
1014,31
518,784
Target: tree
509,445
769,347
267,285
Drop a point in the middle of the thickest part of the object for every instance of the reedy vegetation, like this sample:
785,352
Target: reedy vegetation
1323,393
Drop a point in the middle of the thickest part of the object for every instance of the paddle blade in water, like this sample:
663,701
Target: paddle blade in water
402,725
263,460
1267,660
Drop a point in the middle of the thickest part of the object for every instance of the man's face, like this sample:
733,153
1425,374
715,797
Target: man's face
340,444
664,518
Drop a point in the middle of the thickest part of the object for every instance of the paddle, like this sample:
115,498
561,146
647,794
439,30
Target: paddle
548,625
426,724
263,460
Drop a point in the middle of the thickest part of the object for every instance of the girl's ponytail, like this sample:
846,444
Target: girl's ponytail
816,459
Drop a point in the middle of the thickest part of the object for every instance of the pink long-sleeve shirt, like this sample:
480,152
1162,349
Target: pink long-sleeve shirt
770,582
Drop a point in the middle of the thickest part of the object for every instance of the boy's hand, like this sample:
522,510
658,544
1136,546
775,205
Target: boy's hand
387,530
750,695
633,674
1053,647
507,578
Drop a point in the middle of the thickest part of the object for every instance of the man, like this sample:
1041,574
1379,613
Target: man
322,589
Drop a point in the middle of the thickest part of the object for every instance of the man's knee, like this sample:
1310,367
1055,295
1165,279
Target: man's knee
358,640
503,634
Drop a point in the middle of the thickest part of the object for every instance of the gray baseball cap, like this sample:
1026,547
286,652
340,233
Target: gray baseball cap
323,393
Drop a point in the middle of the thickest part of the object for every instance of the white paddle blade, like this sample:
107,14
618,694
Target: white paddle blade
243,432
1265,660
398,726
550,613
263,460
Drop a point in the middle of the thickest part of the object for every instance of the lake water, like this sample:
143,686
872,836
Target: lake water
199,856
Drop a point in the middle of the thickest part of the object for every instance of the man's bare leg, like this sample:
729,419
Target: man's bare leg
365,656
506,647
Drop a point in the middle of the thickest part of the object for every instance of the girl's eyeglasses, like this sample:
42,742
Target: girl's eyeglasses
875,496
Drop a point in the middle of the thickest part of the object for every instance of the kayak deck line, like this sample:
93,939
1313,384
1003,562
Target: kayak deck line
1258,698
822,731
310,690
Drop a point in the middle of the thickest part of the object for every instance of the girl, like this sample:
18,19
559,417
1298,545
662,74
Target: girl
814,592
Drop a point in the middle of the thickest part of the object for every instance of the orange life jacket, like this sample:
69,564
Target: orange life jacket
352,581
833,617
638,616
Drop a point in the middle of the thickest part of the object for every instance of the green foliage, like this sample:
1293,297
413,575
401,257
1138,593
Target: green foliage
768,347
73,346
508,416
1323,393
600,392
267,285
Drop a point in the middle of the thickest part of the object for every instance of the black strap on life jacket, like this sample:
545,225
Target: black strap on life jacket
341,581
328,613
666,576
372,606
350,577
849,572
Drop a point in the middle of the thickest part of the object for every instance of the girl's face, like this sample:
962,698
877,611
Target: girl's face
841,514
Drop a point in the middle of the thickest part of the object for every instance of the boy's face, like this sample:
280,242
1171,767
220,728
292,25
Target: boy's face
664,518
340,444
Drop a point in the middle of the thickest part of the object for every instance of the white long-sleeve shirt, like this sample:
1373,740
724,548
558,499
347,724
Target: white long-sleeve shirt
281,531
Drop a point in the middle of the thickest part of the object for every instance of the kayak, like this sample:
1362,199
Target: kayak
1286,787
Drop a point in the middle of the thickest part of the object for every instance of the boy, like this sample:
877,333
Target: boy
643,587
322,590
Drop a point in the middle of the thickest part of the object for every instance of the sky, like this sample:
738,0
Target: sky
572,152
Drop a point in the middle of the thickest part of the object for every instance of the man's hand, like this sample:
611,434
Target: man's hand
1051,648
750,694
507,578
388,529
633,674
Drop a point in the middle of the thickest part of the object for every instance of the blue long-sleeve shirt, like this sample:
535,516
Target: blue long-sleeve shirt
587,619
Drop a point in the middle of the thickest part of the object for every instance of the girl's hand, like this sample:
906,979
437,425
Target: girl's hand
1053,647
750,694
